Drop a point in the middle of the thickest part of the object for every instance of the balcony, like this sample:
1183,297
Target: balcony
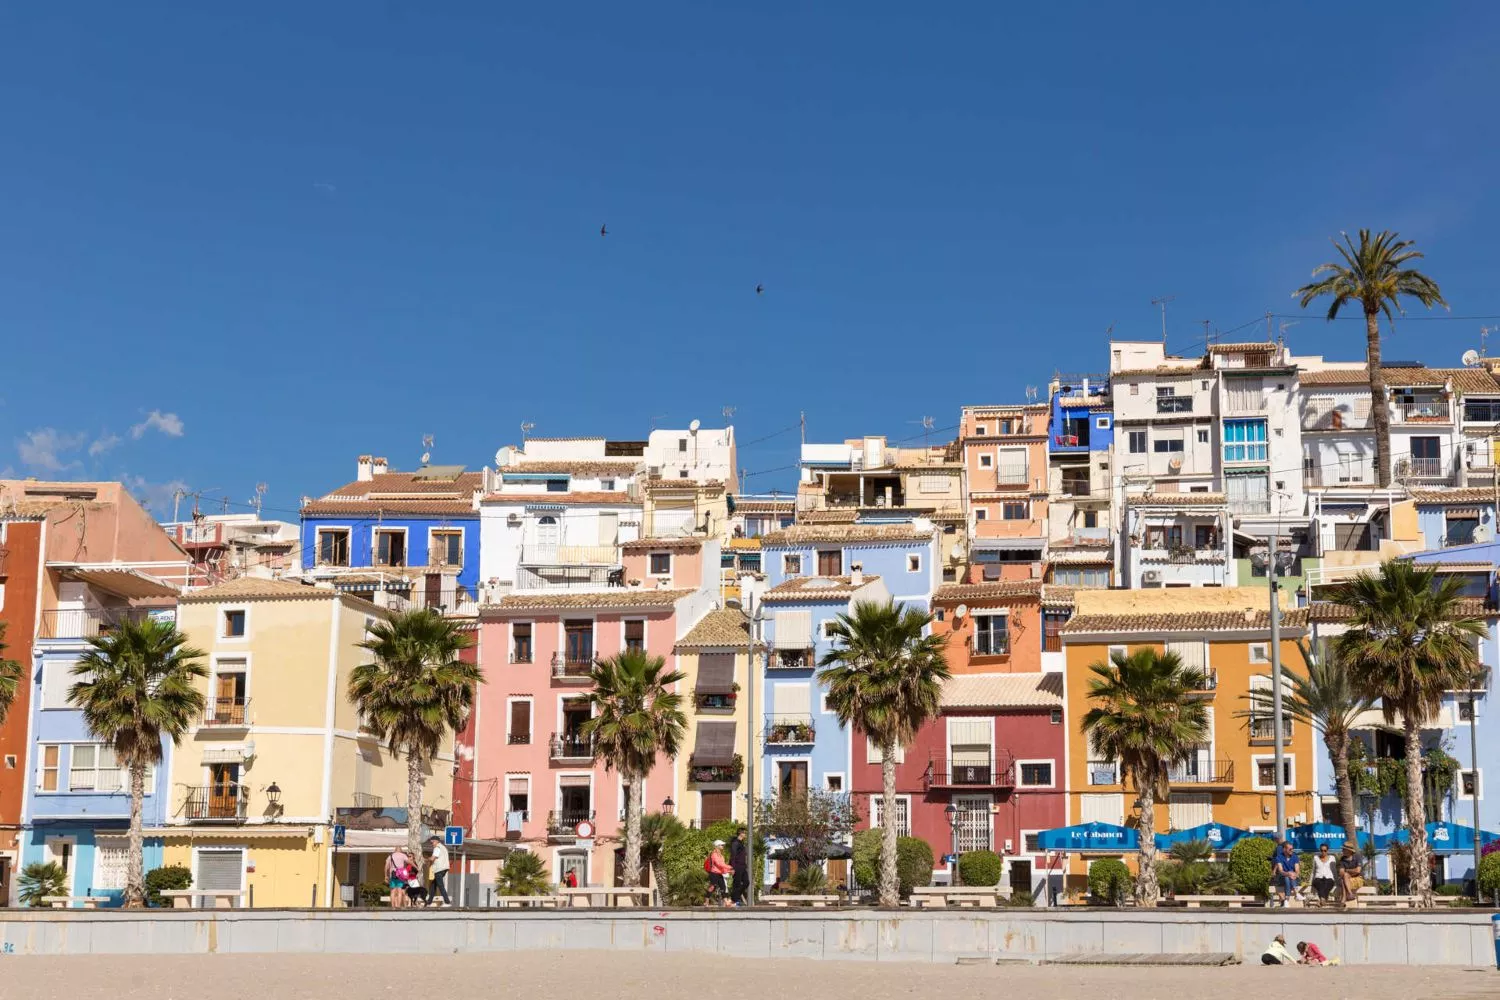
216,803
552,577
563,825
1249,505
574,668
1174,404
438,558
1208,687
521,654
713,774
991,644
1012,475
571,746
518,739
792,659
569,555
1263,730
364,800
226,713
1105,773
789,730
1421,468
715,701
81,623
1422,411
969,772
1202,772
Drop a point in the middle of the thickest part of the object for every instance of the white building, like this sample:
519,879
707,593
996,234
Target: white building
700,454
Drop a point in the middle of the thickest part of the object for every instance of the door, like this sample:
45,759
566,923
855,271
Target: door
61,851
547,536
1020,876
575,862
434,588
830,563
792,777
223,791
975,824
229,699
575,804
714,806
579,637
220,868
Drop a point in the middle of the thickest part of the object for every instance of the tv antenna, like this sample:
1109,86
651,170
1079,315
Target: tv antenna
426,448
1484,334
659,416
927,425
526,428
259,498
728,412
1161,301
1031,393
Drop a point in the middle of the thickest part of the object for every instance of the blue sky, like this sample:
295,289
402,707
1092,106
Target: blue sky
244,244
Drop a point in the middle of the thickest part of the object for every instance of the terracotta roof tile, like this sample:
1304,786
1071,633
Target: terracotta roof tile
1000,590
1467,495
1185,621
1035,690
1328,611
1336,376
616,497
814,588
847,533
253,588
719,628
589,467
619,598
1057,596
661,544
407,485
1186,370
1242,348
1175,500
836,515
1081,557
364,508
786,506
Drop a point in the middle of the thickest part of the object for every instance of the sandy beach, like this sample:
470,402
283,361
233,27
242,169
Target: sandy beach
608,975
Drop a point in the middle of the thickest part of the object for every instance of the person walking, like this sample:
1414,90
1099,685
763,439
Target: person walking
1351,873
1285,872
739,860
439,883
717,867
1324,875
395,877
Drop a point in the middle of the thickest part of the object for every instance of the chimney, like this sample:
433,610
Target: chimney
381,467
857,574
366,468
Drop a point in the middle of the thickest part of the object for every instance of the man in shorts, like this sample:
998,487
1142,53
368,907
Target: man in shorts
1351,873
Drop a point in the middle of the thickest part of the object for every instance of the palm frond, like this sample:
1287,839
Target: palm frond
637,716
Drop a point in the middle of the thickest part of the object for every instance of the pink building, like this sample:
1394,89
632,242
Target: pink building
536,782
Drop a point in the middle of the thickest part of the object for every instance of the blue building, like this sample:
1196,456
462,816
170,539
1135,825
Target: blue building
1082,417
77,805
1449,518
413,536
1456,729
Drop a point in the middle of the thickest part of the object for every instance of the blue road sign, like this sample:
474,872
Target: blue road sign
453,836
950,859
339,834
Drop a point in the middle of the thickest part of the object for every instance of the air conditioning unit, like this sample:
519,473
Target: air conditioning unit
1010,847
1151,575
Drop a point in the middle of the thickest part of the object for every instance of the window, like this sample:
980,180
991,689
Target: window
1102,807
1135,388
333,546
1244,440
1265,773
519,731
976,825
578,639
446,548
1008,426
872,753
1167,401
1121,650
1465,710
520,642
1015,510
1186,810
1167,445
92,768
986,461
390,548
1034,774
1102,423
980,430
791,564
913,563
661,564
1460,530
1205,536
635,635
557,486
830,562
57,680
682,445
827,627
833,782
1091,519
1052,626
682,473
517,798
1203,437
607,485
1137,441
1079,576
234,624
1260,653
1470,784
981,514
1482,410
111,862
991,635
903,814
46,772
1055,717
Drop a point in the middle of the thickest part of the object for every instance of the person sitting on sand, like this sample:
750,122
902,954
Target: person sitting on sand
1276,953
1312,954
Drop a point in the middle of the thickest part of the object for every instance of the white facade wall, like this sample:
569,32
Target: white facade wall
705,455
509,529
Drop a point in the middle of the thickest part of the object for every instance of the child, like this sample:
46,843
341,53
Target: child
1276,953
1313,955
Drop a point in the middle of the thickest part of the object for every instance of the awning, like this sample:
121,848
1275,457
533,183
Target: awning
574,781
1310,836
1103,838
715,674
228,753
257,831
1006,544
1218,836
793,629
714,746
121,581
1443,838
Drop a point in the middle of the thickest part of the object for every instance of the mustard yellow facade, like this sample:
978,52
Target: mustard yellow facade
710,776
1226,633
257,784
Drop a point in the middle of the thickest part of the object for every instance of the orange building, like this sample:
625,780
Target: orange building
1231,778
1005,494
1006,627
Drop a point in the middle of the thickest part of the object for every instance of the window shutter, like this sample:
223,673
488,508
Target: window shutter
56,680
220,870
715,673
1102,807
872,752
793,629
1190,653
1190,809
714,806
714,745
791,700
520,718
517,786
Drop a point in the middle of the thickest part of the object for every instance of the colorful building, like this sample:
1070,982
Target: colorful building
280,752
1230,779
716,657
1006,479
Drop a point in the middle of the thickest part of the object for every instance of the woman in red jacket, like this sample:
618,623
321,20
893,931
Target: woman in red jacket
717,867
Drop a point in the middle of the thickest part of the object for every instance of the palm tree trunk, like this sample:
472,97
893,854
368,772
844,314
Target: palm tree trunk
633,795
659,876
1338,752
1419,875
414,783
135,871
890,881
1147,886
1378,412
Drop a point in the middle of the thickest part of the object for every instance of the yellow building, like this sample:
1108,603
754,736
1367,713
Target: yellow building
1226,633
713,654
257,784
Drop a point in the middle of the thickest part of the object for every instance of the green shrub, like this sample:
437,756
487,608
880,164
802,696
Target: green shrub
980,868
913,863
684,853
39,879
1109,880
1020,897
168,877
1489,875
1250,863
866,856
523,874
371,893
808,880
1449,889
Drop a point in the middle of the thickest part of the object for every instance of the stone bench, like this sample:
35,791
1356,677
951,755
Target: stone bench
520,902
786,900
933,896
222,899
62,902
1233,902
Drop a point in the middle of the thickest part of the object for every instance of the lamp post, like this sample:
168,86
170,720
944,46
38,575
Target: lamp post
757,620
668,807
1474,765
951,812
1272,559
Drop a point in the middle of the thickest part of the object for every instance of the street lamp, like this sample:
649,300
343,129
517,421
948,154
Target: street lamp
668,807
756,624
1271,558
951,811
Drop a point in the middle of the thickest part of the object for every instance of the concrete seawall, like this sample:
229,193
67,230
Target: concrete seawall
1429,938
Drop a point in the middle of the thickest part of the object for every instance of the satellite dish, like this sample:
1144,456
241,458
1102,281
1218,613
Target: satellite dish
1470,358
426,457
693,427
1483,533
960,611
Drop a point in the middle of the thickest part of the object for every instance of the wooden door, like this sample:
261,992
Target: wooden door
830,563
224,791
226,699
793,778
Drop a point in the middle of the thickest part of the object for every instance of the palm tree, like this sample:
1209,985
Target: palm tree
138,685
1408,642
522,874
10,678
1372,275
637,717
885,677
1328,700
656,829
1141,715
414,694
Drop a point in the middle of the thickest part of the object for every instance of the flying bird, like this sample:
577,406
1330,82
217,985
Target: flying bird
760,289
604,229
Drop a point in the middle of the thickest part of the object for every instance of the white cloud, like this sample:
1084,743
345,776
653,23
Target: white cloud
155,497
169,424
43,449
104,442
